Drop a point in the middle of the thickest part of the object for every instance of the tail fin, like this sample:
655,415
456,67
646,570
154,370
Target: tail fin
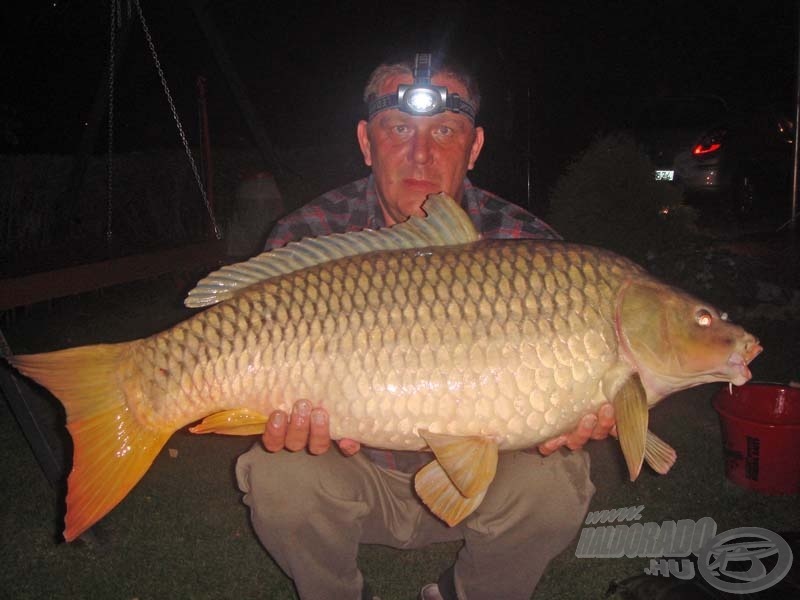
112,449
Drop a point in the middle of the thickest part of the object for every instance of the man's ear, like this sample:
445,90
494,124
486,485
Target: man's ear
477,145
363,142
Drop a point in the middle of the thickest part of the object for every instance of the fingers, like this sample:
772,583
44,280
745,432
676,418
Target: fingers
348,447
579,437
274,437
298,428
590,427
606,423
319,438
552,445
306,428
572,440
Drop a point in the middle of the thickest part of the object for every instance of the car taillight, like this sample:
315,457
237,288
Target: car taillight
709,143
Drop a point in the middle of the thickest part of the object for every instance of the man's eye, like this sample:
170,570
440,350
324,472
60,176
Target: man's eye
400,129
445,130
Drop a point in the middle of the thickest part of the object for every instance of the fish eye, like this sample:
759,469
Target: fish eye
703,318
724,316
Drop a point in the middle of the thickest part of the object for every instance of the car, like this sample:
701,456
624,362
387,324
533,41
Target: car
739,161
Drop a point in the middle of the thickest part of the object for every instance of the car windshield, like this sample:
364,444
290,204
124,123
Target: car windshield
678,113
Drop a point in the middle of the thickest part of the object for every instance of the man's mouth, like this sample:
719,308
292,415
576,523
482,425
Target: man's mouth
420,184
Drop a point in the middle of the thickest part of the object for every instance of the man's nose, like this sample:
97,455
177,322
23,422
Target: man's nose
420,148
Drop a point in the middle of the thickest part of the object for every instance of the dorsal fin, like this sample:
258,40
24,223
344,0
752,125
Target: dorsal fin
445,224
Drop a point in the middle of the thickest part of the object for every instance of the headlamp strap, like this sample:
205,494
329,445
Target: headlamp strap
422,69
382,103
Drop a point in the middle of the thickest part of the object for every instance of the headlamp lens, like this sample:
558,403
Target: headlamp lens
422,100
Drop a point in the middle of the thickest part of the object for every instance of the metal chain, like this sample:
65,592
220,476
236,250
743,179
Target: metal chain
217,233
110,164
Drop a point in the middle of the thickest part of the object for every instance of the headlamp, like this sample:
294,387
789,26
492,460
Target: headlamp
422,99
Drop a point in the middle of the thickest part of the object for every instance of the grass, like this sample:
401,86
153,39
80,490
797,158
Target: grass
184,533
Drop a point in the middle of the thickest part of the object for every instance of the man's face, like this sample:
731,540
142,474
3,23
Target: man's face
412,157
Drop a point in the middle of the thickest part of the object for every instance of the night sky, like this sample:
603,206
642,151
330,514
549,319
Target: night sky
304,67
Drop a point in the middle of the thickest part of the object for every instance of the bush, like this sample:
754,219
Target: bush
608,197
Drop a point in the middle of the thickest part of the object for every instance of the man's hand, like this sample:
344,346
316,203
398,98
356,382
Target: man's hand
594,427
307,428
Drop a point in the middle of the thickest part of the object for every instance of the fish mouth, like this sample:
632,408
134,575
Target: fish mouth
737,366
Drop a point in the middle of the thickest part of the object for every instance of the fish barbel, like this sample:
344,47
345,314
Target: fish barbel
420,336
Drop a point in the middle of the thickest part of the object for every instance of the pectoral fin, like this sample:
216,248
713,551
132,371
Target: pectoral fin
469,461
240,421
659,454
630,409
454,484
442,497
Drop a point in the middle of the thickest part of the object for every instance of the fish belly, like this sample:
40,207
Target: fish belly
503,338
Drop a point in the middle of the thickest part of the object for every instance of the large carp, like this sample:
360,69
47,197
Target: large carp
419,336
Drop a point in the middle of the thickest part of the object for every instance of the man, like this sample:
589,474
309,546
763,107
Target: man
311,510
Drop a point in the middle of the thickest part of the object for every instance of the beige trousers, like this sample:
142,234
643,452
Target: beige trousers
312,512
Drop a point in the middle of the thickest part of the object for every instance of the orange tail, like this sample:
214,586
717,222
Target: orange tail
112,450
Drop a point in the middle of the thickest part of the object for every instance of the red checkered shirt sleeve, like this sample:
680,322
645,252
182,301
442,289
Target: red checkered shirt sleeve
498,218
348,208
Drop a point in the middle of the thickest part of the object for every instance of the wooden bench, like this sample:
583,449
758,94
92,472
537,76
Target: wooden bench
69,281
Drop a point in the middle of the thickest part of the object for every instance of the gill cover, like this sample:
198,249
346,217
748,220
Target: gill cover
672,334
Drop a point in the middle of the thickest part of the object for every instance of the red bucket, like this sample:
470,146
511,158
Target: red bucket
761,436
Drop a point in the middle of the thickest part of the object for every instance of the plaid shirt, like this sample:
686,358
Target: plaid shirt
354,207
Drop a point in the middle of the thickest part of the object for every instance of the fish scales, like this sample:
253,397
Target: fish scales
418,336
381,339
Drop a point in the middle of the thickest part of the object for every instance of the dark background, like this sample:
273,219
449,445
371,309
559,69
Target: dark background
584,66
304,69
